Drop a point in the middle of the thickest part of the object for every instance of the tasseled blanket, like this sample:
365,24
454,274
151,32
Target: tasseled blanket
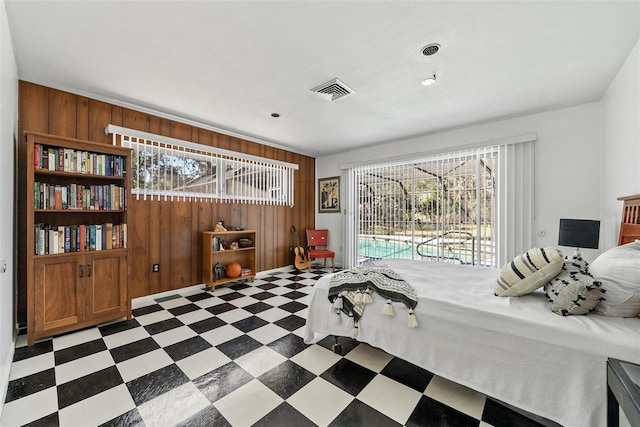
351,290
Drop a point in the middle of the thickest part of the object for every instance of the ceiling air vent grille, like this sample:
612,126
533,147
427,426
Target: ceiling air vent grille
430,49
333,89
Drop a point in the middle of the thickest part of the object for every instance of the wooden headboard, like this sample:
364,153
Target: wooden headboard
630,224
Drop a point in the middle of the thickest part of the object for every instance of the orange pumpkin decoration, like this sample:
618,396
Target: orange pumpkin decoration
234,269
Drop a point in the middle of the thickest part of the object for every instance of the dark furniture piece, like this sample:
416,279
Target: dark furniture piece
623,391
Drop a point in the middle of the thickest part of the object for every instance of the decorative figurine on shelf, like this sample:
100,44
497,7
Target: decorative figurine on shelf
233,245
219,227
218,271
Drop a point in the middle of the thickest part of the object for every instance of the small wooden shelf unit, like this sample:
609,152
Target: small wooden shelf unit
246,257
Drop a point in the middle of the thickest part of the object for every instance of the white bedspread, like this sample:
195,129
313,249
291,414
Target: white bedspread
512,349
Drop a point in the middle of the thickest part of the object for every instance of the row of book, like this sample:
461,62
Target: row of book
70,160
78,238
79,197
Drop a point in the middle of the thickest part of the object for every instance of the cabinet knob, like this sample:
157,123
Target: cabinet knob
82,271
89,268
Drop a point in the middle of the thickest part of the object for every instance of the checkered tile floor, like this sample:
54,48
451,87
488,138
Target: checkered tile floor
233,356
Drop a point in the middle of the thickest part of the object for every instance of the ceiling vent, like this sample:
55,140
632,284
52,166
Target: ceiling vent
333,89
430,49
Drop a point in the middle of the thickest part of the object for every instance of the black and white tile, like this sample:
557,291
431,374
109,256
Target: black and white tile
233,356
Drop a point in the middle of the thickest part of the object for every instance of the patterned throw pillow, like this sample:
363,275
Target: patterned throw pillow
528,272
573,290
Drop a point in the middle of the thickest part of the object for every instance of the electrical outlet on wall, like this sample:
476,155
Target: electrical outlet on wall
156,268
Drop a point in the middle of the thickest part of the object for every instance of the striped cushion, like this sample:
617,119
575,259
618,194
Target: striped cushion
528,272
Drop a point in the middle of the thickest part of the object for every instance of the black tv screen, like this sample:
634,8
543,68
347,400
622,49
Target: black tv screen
579,233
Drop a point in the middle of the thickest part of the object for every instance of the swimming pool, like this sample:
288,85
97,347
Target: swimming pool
370,249
379,248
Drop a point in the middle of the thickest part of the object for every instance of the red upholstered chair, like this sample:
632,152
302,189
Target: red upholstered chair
317,241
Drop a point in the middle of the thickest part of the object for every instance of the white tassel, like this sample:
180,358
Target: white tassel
387,310
337,303
354,331
413,322
366,298
358,298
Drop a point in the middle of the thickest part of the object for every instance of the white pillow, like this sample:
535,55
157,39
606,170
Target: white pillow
619,271
573,290
528,272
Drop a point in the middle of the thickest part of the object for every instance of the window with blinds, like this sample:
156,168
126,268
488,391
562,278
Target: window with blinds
170,169
441,207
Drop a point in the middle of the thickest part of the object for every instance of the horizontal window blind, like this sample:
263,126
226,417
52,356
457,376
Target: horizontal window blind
171,169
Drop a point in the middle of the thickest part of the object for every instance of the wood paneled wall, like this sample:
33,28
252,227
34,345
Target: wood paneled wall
166,233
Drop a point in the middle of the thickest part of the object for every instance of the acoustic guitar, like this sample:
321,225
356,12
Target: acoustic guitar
302,258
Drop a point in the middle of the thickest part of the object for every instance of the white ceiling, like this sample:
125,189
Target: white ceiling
229,65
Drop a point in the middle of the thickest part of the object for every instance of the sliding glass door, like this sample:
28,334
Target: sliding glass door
441,207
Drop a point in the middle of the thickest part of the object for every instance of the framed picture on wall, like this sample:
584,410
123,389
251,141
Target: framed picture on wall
329,194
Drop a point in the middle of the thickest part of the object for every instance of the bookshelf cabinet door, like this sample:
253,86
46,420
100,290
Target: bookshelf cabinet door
106,284
59,292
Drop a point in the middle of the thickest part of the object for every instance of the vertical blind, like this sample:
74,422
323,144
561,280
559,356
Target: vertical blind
171,169
472,206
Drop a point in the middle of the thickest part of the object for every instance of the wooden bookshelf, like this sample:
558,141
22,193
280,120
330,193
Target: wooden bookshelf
76,236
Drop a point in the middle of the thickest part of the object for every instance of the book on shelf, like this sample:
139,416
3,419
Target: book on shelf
77,157
37,156
67,160
40,243
92,238
73,238
67,239
53,241
60,233
57,197
81,238
108,236
36,195
51,159
72,198
98,237
65,199
46,240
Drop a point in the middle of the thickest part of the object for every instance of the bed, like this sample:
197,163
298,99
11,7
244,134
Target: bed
512,349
